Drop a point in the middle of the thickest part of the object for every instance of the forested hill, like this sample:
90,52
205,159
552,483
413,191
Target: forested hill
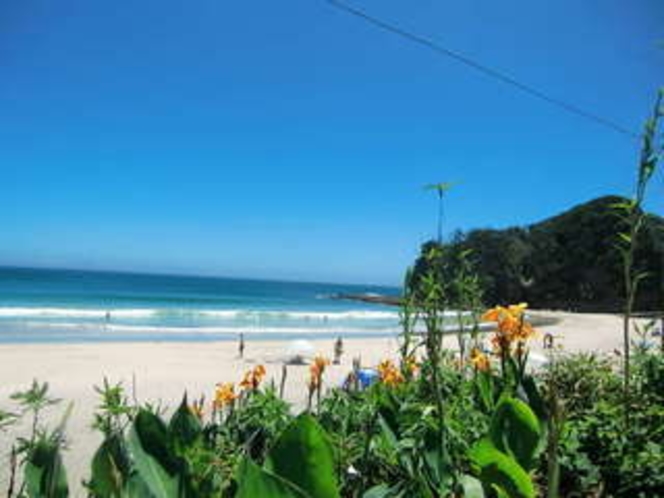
569,261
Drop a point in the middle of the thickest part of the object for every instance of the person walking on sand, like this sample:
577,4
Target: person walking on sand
241,345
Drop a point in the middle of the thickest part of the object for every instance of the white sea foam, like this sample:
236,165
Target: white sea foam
141,329
165,329
252,315
303,315
75,312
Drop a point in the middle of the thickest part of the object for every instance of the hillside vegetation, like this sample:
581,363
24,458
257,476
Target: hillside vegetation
569,261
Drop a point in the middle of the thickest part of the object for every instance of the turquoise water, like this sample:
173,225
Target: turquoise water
38,305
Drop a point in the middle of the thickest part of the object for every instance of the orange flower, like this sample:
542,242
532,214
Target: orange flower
316,370
253,378
479,360
525,331
517,310
224,395
320,362
512,325
389,374
493,315
501,313
259,373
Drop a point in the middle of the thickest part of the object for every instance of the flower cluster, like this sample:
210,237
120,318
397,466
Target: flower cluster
512,326
316,370
389,374
224,395
479,360
253,378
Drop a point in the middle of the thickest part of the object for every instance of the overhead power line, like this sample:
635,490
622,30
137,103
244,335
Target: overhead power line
493,73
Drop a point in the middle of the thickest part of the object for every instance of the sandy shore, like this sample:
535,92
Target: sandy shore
164,370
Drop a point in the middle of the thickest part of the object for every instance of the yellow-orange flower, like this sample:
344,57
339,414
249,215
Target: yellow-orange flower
389,374
320,362
493,315
224,395
253,378
316,370
512,325
517,310
502,313
479,360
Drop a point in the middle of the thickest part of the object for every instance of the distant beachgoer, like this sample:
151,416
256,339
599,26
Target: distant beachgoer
241,345
338,350
108,316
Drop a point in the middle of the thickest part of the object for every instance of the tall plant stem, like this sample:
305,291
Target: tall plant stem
635,218
440,216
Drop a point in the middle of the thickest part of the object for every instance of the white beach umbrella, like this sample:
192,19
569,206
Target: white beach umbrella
299,351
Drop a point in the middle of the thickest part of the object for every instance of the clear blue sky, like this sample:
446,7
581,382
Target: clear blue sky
290,140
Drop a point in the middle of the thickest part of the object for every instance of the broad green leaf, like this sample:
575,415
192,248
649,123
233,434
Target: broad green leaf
155,439
472,487
516,431
533,397
44,473
110,468
185,427
303,456
157,479
137,488
498,470
484,384
390,437
379,491
255,482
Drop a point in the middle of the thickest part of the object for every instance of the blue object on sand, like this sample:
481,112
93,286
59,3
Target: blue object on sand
367,376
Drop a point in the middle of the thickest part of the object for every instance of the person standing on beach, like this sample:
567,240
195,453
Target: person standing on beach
338,350
241,345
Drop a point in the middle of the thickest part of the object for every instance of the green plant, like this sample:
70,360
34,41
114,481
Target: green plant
580,380
39,454
634,217
505,456
300,464
440,189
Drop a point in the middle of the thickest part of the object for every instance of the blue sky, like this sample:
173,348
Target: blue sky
290,140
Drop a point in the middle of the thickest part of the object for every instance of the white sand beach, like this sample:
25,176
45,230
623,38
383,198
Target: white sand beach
165,370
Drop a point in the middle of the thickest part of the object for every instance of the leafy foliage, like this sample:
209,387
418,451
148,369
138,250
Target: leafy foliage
570,261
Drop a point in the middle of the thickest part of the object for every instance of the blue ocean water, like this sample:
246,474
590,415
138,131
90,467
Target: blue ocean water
40,305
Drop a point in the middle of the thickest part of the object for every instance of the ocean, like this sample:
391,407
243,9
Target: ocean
40,305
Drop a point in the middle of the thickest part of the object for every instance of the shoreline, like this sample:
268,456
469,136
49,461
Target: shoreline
201,336
163,371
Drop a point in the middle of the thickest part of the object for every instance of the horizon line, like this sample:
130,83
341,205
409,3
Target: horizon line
189,275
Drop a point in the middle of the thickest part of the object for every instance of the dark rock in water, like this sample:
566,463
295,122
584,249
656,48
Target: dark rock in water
370,298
